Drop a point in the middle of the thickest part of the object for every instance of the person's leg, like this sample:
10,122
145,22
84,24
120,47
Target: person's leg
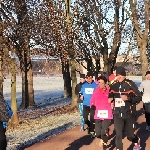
130,128
81,114
147,115
118,124
86,111
98,126
148,119
3,141
105,126
92,112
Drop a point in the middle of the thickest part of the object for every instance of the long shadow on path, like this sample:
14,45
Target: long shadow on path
77,144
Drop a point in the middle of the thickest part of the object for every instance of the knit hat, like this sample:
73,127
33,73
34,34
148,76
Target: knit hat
121,71
82,76
115,68
147,72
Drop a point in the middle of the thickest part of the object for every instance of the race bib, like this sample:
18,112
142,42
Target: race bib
102,114
89,90
119,102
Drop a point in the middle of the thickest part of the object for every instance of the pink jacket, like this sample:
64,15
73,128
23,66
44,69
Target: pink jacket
100,100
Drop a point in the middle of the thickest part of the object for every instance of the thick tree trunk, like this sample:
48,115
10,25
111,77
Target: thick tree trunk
27,82
74,82
143,57
30,89
14,118
67,79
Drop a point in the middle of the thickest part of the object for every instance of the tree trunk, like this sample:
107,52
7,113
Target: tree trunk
30,89
14,118
143,57
116,40
74,82
27,82
1,75
67,79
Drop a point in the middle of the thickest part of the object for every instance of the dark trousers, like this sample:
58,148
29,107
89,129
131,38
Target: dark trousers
146,107
129,125
86,112
101,128
147,116
3,141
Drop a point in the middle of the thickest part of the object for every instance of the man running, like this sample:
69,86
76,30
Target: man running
85,94
125,95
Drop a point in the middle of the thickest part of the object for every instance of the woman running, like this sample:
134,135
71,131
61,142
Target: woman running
103,112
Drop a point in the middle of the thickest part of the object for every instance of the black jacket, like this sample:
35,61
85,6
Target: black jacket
128,88
77,90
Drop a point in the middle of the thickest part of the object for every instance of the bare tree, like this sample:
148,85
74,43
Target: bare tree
140,19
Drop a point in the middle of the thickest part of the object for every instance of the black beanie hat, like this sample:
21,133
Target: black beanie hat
121,71
115,68
147,72
82,76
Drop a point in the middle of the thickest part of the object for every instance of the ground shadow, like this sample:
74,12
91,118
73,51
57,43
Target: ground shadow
77,144
44,136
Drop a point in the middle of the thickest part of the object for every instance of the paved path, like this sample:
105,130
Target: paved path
74,139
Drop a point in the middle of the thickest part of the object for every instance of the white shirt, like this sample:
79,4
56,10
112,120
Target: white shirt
145,88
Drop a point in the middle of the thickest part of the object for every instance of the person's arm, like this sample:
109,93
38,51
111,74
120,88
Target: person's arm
92,101
111,95
141,88
81,93
77,89
137,96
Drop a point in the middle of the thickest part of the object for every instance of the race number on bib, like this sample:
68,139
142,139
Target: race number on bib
119,102
102,114
89,90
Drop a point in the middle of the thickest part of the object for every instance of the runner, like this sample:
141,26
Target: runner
103,113
125,95
144,88
85,95
80,102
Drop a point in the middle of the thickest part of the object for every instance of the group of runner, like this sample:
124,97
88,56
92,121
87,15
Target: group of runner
112,98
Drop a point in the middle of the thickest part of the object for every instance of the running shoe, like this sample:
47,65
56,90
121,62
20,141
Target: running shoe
92,134
82,128
136,147
105,146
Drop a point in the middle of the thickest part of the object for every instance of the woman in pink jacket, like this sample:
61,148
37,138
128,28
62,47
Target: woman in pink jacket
103,112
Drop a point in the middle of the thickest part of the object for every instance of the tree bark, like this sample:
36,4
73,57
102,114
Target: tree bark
74,82
14,118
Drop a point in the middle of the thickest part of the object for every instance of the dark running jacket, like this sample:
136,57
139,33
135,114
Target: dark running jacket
128,88
77,90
